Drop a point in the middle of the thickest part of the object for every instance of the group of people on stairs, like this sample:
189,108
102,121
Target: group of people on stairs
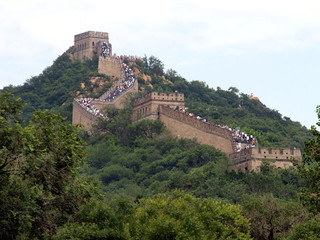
87,105
126,83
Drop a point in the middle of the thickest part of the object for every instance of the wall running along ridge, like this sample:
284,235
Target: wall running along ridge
187,127
162,106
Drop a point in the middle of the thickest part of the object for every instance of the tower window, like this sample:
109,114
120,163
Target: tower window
93,44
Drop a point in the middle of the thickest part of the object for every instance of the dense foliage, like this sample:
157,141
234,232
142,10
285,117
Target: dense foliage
139,166
164,216
39,187
58,84
223,107
310,170
141,158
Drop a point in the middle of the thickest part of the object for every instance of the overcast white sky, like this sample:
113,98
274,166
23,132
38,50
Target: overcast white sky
268,48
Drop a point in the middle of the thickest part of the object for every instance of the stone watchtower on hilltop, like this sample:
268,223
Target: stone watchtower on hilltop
92,44
96,44
89,44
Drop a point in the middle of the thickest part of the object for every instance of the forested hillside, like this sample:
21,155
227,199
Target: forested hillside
55,88
133,180
58,84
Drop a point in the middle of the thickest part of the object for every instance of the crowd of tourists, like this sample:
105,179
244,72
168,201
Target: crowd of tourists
105,49
184,111
126,83
243,140
87,105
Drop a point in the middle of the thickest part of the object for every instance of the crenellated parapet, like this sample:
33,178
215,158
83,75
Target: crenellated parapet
203,126
252,158
147,105
277,153
164,97
91,34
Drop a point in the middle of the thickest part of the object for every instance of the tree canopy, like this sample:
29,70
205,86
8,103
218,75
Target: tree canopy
310,170
39,187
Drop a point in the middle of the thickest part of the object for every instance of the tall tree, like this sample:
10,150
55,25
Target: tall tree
271,218
39,187
309,169
182,216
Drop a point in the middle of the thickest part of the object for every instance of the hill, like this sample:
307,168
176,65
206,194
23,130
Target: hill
139,159
58,84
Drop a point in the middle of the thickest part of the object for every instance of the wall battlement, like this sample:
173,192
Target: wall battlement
162,106
206,127
166,97
91,34
184,126
252,158
148,105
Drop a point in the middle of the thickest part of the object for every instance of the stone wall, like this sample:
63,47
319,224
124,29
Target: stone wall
120,101
252,158
276,153
82,116
184,126
111,66
147,106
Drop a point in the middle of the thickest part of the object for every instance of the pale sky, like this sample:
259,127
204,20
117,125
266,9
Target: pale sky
268,48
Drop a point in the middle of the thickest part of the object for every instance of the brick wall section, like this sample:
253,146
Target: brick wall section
111,66
186,127
147,106
251,159
120,101
82,116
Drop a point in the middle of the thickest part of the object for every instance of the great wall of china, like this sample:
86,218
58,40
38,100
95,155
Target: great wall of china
163,107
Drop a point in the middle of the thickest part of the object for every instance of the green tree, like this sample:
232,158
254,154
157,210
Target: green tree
309,169
153,65
97,221
39,187
271,218
182,216
309,230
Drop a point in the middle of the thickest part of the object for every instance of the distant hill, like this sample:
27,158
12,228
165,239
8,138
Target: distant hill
64,80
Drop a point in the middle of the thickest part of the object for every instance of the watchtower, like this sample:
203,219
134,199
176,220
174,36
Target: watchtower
90,44
147,106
